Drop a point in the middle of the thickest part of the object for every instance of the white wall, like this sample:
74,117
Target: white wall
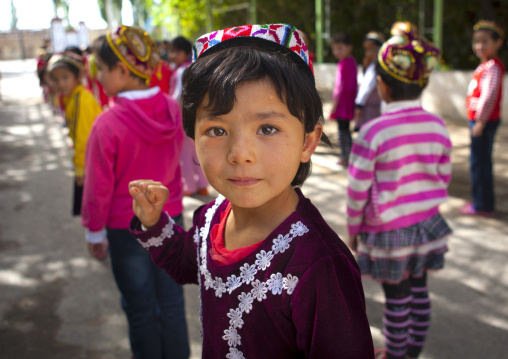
445,95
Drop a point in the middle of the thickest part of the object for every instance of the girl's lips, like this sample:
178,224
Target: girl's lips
244,182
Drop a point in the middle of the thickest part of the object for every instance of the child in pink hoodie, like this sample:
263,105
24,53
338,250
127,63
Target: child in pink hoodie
141,136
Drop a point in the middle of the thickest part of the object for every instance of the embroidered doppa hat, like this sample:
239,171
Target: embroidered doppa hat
489,25
66,59
272,37
136,49
408,58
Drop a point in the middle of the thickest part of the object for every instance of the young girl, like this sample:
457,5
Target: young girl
194,180
141,135
367,102
275,280
484,112
81,109
398,176
344,93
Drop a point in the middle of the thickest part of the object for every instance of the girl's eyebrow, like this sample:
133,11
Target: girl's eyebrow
270,114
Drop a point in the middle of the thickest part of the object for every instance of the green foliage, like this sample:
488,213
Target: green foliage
188,18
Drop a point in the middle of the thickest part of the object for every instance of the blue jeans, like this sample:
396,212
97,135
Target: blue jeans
152,301
482,179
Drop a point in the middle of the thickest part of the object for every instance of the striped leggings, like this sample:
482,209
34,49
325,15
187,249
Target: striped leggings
406,317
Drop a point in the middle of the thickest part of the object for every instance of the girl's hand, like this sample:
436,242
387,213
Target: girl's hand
98,250
149,199
352,242
477,129
80,180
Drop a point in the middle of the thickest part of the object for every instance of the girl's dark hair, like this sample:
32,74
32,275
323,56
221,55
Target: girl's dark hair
400,90
219,75
75,71
494,35
104,52
181,43
74,49
341,38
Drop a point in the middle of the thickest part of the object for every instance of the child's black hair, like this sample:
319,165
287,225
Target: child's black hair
219,75
75,71
341,38
494,35
74,49
400,90
105,53
181,43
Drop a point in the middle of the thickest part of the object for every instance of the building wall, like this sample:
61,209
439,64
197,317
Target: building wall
445,94
32,40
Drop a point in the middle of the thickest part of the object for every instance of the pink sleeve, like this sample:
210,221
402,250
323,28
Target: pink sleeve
99,180
337,88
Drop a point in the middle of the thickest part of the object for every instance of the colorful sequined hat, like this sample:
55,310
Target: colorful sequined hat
64,59
408,58
136,49
489,25
273,37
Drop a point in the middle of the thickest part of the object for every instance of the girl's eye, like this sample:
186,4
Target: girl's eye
216,132
267,130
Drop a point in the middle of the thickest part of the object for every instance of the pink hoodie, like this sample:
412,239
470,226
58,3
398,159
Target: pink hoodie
135,139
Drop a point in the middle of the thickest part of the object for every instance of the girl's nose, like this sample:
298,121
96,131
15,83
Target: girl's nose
241,150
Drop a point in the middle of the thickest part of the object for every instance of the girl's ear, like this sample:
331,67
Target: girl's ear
124,71
311,142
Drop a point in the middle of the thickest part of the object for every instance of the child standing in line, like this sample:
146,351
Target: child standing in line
398,176
81,109
194,180
484,112
344,93
275,279
140,135
367,102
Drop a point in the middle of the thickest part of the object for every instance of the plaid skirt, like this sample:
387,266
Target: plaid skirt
395,255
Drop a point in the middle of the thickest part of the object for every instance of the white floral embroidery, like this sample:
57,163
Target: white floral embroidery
196,236
219,286
259,290
233,283
246,300
232,336
248,272
275,283
281,243
235,316
167,232
264,259
298,229
234,354
289,283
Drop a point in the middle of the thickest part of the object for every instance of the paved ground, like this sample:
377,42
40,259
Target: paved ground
57,302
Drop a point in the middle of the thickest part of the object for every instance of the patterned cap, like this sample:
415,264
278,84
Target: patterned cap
64,59
408,58
273,37
136,49
489,25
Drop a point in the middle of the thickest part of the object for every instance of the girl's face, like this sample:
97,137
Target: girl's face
178,57
341,51
65,80
484,46
251,154
110,79
370,52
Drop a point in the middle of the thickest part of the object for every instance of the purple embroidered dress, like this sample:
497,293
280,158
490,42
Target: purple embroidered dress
298,295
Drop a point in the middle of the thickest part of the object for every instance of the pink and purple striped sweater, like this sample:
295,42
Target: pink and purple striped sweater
399,169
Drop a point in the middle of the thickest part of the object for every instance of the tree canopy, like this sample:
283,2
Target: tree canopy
189,18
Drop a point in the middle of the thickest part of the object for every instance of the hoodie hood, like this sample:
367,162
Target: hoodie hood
152,118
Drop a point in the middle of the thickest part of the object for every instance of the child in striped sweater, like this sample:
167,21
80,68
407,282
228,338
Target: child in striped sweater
398,176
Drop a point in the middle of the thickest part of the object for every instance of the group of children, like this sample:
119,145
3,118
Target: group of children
275,280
